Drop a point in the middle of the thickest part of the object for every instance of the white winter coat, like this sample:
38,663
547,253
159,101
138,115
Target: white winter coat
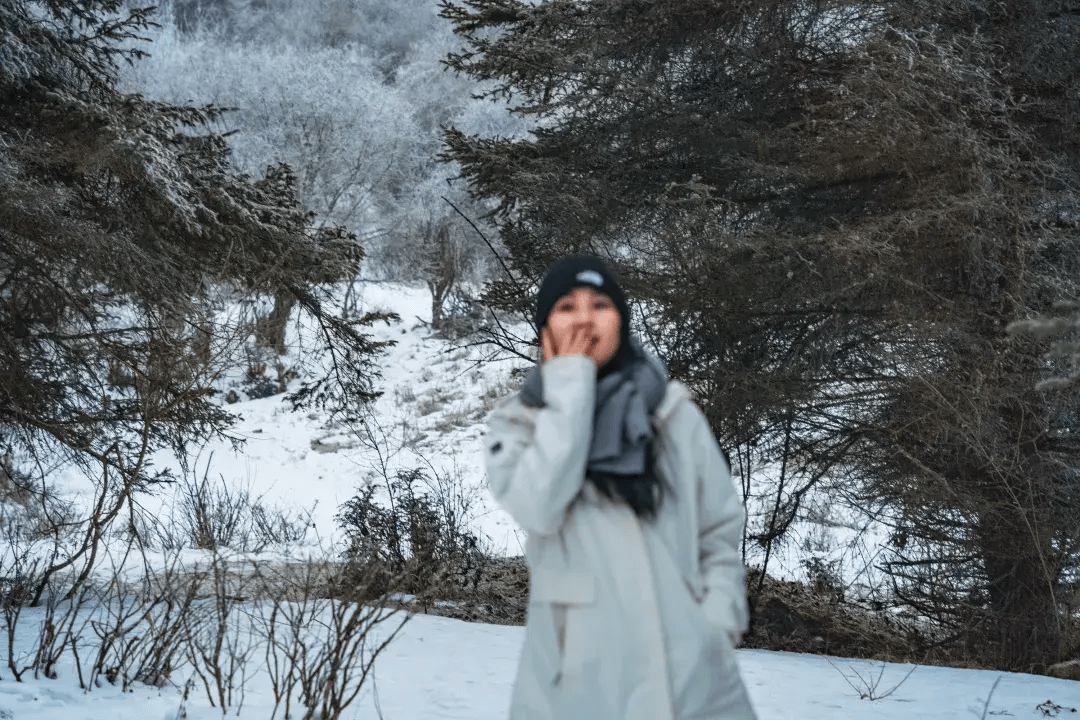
628,618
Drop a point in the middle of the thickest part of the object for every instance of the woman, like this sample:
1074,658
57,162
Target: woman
637,593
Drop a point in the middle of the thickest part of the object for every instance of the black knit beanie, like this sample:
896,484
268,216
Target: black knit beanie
572,272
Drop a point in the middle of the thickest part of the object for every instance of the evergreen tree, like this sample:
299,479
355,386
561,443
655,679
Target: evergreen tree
122,225
830,211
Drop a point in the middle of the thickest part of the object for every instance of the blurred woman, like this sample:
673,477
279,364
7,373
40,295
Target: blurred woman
637,594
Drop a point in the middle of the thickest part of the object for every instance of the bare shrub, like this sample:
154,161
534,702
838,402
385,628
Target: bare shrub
410,533
60,621
116,626
176,618
868,685
275,525
63,622
212,515
320,629
170,598
18,580
29,548
142,631
323,634
419,537
218,635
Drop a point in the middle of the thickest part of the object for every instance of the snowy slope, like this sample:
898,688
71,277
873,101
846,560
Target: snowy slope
429,416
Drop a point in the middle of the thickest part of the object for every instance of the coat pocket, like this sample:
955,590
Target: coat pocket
569,595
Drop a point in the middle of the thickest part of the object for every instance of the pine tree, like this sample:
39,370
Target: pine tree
830,211
122,225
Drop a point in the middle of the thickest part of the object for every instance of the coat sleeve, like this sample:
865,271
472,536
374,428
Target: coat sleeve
536,456
720,525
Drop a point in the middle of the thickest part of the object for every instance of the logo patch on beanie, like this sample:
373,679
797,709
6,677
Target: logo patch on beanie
590,277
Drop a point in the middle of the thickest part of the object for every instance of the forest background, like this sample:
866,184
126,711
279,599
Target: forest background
829,214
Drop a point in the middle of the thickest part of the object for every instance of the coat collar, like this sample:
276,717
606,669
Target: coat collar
674,396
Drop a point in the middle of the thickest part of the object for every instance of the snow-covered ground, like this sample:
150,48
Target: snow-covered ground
430,415
442,669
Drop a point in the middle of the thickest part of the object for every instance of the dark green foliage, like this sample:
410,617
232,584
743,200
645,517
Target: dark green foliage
829,211
412,542
124,232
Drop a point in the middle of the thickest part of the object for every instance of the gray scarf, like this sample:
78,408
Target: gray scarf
626,398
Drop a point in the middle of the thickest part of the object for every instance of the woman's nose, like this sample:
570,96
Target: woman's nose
584,316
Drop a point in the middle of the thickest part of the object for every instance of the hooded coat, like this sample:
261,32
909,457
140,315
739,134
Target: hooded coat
628,618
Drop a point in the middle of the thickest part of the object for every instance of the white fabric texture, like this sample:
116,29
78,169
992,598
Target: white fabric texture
628,618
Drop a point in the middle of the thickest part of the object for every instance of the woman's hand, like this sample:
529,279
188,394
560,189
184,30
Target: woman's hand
580,342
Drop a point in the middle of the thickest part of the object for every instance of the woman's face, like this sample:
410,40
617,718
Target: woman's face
583,322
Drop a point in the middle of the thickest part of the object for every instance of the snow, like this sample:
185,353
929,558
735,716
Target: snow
431,411
430,414
443,669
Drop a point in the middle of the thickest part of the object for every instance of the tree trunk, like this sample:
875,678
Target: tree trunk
270,329
1024,623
